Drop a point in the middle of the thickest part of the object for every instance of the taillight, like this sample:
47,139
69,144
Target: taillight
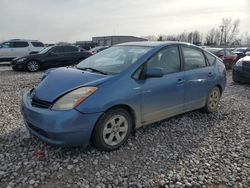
90,53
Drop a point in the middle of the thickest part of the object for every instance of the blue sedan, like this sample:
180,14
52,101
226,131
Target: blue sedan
106,96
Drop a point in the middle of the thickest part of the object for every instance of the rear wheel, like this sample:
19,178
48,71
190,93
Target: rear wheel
112,129
213,100
33,66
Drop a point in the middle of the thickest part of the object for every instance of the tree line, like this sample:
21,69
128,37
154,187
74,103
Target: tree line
227,35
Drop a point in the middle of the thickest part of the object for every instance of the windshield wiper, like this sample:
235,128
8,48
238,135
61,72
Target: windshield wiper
91,69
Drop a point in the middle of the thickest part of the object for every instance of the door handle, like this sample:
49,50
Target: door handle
210,74
180,81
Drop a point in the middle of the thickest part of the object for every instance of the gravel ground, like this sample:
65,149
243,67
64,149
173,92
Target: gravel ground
191,150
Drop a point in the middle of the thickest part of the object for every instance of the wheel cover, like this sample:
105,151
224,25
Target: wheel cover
115,130
214,99
33,66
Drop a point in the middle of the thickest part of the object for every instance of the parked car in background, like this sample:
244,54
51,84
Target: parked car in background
17,48
241,70
228,57
105,97
241,52
247,53
98,49
54,56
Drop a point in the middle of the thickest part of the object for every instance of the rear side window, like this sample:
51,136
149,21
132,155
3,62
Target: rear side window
168,59
71,49
193,58
37,44
211,59
20,44
6,45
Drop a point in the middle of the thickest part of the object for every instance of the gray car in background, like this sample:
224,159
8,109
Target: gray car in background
18,48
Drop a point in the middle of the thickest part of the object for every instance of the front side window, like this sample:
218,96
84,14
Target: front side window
20,44
115,59
167,59
45,50
58,50
193,58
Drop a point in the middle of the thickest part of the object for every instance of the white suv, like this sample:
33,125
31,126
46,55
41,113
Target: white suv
19,48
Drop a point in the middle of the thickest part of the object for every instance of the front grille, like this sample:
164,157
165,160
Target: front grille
38,130
40,103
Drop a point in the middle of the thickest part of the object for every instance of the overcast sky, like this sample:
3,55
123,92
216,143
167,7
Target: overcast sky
71,20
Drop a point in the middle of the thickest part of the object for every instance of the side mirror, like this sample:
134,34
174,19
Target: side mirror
154,72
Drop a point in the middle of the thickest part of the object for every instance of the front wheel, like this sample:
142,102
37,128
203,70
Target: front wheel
213,100
33,66
112,129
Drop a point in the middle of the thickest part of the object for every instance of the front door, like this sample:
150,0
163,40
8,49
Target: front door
55,57
164,96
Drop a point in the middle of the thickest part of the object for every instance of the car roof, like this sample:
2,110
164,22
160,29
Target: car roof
214,49
26,40
153,43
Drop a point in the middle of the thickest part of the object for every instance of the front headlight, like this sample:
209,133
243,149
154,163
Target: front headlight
239,63
21,59
73,98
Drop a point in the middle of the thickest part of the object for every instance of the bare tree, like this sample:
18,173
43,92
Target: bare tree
160,38
229,30
197,39
183,37
213,37
171,37
190,37
246,39
150,37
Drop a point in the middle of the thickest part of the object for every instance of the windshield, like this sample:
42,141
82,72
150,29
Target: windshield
45,50
115,59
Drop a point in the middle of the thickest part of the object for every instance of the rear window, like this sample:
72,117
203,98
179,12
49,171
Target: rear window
20,44
37,44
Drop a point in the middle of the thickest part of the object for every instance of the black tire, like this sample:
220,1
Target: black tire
213,100
33,66
102,140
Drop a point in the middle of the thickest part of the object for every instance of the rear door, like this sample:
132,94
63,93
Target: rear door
199,77
21,48
72,55
163,97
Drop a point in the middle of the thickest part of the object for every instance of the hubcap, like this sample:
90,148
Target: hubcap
115,130
214,99
33,66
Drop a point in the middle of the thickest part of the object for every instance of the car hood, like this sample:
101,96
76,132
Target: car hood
62,80
246,59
